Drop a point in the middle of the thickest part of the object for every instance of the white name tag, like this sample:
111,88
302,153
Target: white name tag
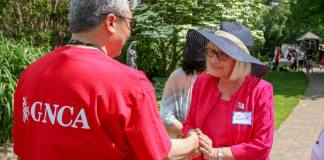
244,118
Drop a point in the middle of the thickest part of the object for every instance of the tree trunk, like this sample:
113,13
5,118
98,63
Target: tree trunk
174,56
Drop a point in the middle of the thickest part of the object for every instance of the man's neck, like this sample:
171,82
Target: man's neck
88,37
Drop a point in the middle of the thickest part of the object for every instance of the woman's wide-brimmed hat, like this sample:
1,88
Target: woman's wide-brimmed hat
195,45
235,39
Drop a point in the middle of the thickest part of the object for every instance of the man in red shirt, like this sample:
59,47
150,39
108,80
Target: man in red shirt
77,102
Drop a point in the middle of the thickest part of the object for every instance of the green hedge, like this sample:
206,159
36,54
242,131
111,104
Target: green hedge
14,57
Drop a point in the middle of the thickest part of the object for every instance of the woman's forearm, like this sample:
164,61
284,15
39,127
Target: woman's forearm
213,153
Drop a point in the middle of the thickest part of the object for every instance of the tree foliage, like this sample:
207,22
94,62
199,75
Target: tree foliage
306,16
159,36
289,19
275,20
42,22
162,26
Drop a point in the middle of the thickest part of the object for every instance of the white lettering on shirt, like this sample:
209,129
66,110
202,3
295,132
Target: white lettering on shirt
83,120
32,111
60,115
52,113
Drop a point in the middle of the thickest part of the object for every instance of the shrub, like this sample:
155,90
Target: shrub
14,57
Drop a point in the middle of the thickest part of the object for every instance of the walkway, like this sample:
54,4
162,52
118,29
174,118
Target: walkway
296,136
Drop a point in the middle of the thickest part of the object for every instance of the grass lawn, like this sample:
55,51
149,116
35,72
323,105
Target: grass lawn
289,88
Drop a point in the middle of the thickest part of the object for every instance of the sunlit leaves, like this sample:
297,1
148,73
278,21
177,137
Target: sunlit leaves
165,23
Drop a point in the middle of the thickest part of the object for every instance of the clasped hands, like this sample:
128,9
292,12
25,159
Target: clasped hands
205,146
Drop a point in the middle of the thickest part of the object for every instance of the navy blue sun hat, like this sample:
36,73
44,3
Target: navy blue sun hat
194,47
235,39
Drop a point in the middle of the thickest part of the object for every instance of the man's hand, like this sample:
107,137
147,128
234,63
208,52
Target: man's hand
196,152
183,147
194,137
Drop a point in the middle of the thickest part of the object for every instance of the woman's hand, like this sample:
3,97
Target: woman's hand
204,140
195,138
210,154
206,145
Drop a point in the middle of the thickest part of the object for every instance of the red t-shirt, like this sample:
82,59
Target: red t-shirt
78,103
278,55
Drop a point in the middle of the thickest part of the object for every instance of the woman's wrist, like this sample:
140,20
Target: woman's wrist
214,155
219,153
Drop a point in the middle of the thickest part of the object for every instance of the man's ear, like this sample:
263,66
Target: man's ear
110,23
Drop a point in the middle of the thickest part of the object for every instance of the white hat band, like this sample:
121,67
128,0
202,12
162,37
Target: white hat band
232,38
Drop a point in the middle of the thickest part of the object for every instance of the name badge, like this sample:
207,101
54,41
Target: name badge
244,118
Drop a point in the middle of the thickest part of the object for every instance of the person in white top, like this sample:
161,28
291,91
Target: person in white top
300,59
175,102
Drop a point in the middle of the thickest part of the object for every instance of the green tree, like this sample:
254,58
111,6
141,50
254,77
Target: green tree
289,19
306,16
275,19
162,26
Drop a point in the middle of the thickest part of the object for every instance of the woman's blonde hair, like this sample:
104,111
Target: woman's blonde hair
240,70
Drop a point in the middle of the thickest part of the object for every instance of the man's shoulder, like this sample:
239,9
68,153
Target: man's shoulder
120,76
89,67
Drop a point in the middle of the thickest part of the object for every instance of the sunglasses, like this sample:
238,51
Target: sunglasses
220,55
131,21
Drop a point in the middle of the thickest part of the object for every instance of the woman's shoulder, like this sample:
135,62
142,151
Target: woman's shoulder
264,88
264,83
257,84
205,77
178,72
259,81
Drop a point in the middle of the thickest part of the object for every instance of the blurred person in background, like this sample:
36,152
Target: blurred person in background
175,102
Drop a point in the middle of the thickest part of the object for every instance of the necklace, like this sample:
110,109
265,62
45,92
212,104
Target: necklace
77,42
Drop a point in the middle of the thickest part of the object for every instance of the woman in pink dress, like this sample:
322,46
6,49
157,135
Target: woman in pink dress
231,105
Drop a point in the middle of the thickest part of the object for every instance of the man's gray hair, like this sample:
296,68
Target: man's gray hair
86,14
